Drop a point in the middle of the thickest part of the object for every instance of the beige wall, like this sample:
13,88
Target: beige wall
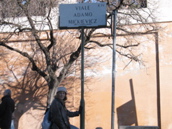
135,87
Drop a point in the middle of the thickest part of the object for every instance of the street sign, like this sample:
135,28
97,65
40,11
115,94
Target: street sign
82,15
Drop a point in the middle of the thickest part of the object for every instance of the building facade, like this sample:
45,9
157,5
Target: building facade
142,84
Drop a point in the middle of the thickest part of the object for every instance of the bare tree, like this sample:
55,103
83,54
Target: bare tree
31,22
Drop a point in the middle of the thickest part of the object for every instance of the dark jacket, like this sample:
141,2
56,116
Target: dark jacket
59,115
6,110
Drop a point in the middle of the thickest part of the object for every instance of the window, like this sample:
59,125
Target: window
134,4
143,4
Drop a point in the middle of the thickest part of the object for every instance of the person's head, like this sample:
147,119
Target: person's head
7,92
61,93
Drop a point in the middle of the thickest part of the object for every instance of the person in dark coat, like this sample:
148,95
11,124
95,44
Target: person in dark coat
59,115
6,109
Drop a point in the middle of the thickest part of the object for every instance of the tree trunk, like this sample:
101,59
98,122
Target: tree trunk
52,91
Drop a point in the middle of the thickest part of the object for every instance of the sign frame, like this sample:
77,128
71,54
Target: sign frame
82,15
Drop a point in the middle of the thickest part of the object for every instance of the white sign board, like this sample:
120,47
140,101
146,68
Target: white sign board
85,15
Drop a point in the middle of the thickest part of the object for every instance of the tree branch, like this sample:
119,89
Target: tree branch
34,66
66,67
34,32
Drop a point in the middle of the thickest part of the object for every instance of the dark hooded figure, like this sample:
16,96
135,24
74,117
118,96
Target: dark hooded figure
6,109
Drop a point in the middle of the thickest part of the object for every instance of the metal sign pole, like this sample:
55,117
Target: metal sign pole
82,103
114,15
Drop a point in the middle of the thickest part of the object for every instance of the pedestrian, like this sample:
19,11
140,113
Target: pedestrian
59,115
6,109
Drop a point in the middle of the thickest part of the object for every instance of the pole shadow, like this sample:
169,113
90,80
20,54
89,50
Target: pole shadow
126,114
